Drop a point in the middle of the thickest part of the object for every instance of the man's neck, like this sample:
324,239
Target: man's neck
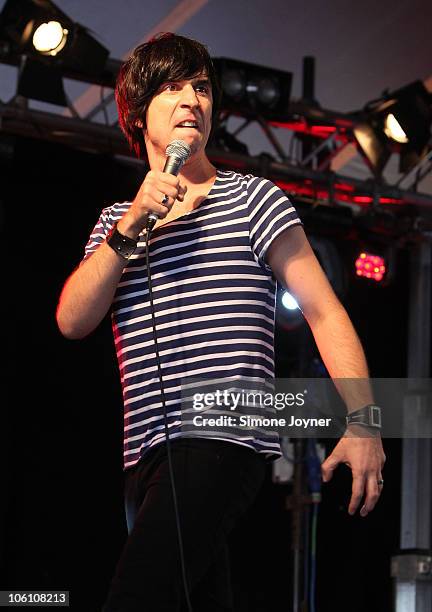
198,179
196,173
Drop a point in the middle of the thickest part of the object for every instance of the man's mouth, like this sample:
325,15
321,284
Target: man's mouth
188,124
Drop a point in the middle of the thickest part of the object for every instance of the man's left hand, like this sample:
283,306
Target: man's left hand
363,453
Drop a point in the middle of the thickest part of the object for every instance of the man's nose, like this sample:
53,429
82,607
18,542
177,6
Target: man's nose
189,96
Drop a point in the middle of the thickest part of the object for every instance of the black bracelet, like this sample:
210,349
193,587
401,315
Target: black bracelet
123,245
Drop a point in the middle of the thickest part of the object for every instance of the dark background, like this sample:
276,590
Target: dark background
62,521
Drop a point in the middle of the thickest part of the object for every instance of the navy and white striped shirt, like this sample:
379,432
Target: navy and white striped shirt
214,297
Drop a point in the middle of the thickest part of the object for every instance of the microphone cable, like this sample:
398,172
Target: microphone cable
167,438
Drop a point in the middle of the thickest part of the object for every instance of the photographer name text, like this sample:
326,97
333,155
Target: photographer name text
253,421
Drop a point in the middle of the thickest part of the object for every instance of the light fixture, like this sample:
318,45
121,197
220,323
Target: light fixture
37,81
408,115
371,266
399,122
375,263
38,28
289,301
393,129
251,90
49,38
373,145
288,313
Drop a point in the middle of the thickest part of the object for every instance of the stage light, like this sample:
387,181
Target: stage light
393,129
373,145
289,301
371,266
251,90
408,115
398,122
288,313
50,38
376,262
40,82
233,83
49,44
38,28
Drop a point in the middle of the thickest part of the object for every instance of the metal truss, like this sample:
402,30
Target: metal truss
309,180
327,132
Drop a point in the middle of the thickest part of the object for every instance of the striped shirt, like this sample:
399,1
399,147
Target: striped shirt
214,298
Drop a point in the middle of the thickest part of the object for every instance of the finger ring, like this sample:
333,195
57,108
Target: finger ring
165,199
380,482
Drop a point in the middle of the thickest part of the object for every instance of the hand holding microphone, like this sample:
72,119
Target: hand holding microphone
177,152
157,193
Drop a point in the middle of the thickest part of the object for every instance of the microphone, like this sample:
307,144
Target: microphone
177,153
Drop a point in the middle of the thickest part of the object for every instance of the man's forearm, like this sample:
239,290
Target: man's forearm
88,293
344,358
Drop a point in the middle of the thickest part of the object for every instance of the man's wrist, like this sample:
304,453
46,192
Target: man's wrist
128,227
368,416
121,244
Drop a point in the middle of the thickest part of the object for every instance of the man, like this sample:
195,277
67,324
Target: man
219,239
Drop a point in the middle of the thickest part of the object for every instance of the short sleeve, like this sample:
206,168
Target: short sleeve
270,213
99,233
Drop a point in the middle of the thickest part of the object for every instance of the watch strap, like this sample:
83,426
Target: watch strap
123,245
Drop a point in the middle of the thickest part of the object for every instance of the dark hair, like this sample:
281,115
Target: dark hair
164,58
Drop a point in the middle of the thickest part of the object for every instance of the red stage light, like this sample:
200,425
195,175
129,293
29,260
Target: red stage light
370,266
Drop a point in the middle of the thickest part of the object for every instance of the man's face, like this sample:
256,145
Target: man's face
180,110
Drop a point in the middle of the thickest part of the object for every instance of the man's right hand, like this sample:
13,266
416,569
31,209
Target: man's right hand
154,188
89,291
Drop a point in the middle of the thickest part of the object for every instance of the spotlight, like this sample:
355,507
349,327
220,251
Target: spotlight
40,82
393,129
288,313
38,28
288,301
376,264
374,146
408,116
401,122
50,38
251,90
370,266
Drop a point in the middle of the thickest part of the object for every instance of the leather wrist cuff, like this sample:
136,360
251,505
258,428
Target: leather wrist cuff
123,245
368,416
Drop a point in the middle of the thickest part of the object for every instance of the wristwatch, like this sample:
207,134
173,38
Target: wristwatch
368,416
123,245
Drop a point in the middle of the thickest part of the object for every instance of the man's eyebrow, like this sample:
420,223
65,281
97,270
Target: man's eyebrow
201,81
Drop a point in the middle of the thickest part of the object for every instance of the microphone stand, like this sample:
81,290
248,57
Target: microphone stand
298,503
300,500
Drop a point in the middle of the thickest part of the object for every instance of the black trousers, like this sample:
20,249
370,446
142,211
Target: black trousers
216,482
